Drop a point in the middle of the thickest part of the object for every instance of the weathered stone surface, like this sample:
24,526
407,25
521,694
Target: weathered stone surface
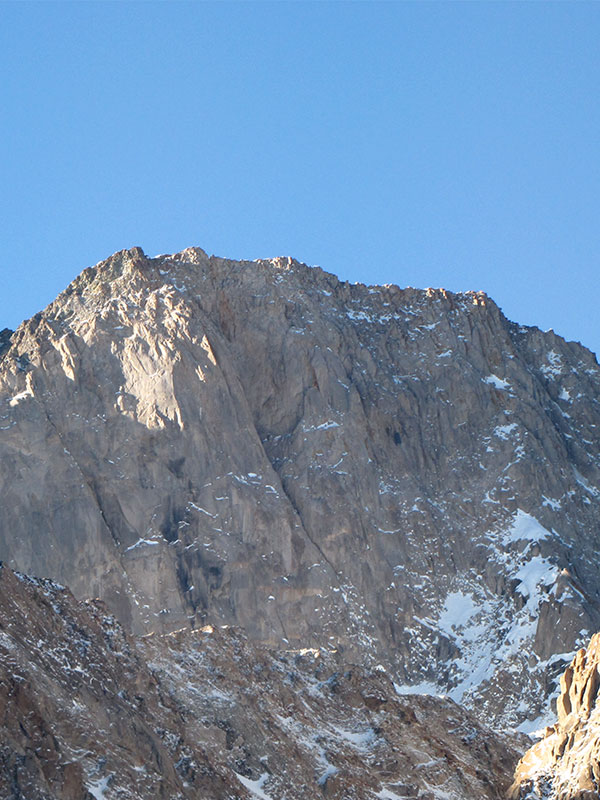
5,335
81,714
565,763
87,711
323,727
401,475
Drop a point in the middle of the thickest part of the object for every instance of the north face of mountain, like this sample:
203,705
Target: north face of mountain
87,711
401,475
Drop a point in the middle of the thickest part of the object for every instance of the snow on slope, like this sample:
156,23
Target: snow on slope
493,637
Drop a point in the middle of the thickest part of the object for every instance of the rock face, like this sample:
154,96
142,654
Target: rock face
5,335
79,709
403,476
88,712
565,763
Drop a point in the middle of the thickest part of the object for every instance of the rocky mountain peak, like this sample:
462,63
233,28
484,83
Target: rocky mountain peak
400,475
120,266
579,685
191,255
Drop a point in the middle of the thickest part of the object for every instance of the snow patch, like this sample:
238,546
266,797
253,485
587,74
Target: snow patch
525,528
554,367
537,573
535,727
255,787
504,431
584,484
425,687
459,609
496,382
330,769
550,502
140,542
386,794
14,401
489,630
363,316
360,740
329,424
6,641
201,510
98,787
322,427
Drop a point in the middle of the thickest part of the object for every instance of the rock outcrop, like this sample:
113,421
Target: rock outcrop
87,711
565,763
403,476
80,711
5,335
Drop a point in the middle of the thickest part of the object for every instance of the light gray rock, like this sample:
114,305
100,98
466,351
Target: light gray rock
403,475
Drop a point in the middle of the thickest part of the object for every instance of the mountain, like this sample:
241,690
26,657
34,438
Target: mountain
87,711
401,476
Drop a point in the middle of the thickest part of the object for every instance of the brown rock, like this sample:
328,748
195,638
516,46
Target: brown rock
564,764
89,711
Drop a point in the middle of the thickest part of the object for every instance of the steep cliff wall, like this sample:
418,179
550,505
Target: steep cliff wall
403,475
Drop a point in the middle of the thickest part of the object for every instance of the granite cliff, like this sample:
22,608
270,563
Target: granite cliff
401,476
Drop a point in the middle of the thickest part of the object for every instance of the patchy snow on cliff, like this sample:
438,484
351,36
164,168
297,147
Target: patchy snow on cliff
496,382
255,787
492,632
525,528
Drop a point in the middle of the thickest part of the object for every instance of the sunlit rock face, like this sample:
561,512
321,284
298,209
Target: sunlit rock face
565,763
87,711
400,475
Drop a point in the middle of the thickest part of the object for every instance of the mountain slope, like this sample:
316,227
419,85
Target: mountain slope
402,475
88,712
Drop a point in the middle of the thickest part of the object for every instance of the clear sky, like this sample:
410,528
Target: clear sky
424,144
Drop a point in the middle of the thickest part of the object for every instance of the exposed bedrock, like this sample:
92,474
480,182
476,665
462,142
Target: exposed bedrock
402,475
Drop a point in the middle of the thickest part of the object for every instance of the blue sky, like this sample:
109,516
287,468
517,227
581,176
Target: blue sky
424,144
